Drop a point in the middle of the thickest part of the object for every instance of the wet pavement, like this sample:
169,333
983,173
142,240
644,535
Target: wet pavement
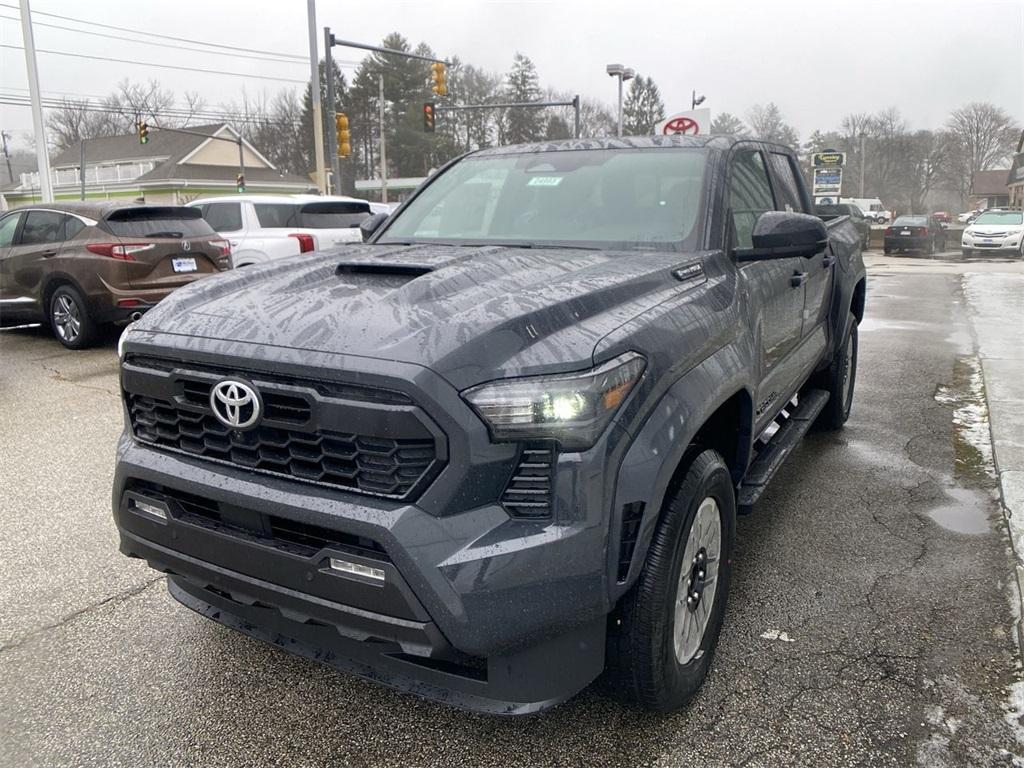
871,620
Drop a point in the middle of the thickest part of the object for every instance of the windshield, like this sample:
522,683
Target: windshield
1000,217
623,198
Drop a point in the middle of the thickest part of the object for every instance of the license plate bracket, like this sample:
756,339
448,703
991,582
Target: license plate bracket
184,264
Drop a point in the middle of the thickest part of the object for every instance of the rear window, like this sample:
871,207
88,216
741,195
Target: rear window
157,222
333,215
1000,217
276,215
911,221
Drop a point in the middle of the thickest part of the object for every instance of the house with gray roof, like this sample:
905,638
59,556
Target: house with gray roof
172,167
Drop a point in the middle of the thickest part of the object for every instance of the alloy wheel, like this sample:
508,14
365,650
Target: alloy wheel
698,581
66,318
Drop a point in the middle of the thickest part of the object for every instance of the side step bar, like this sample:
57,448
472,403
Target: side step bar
772,456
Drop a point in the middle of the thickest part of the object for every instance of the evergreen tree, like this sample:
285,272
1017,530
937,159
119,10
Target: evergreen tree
728,125
767,124
523,124
643,107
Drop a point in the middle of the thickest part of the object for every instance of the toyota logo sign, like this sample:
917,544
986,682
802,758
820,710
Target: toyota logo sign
235,404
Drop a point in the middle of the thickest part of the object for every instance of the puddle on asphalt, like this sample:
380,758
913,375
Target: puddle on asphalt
969,508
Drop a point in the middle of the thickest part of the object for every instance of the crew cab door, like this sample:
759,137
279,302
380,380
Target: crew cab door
774,289
817,270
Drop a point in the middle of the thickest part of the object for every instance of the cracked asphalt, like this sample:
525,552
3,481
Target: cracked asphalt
871,620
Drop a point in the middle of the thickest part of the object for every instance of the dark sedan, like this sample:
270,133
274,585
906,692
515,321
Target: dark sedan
915,233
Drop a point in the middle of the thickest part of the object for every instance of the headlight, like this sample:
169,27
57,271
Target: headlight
574,408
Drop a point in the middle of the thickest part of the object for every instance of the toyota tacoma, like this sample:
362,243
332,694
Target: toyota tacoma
497,449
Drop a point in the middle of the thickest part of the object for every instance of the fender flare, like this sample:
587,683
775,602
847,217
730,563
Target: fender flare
652,459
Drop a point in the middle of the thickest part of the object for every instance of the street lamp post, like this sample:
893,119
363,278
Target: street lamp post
622,73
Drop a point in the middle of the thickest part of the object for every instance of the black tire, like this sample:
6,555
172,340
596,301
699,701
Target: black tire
643,666
69,319
866,245
886,250
834,379
967,253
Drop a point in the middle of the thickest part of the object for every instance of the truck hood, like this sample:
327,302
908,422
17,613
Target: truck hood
469,313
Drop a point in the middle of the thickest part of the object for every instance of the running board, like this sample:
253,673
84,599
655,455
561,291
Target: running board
772,456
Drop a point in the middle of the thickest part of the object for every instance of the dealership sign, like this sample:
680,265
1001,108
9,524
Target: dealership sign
828,159
827,181
695,122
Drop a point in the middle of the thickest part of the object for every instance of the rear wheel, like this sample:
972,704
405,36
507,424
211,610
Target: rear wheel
662,642
70,319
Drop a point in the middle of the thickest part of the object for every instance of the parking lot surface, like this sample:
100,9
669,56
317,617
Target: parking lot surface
871,620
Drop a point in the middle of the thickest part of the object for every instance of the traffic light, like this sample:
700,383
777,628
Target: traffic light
344,137
428,117
240,182
143,132
437,81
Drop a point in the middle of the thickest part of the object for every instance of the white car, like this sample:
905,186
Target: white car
1001,231
872,208
265,227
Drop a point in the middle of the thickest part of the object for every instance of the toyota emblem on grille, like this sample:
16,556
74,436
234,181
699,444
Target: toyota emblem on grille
235,404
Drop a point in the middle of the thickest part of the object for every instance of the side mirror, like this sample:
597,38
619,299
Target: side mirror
783,235
371,224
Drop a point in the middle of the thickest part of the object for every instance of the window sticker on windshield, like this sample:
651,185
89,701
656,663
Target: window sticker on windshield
545,181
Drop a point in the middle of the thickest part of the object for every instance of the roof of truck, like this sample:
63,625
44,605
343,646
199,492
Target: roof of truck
625,142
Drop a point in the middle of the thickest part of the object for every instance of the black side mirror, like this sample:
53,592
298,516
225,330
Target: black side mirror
783,235
371,224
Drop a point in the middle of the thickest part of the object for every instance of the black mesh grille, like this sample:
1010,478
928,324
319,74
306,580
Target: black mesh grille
370,464
632,515
528,493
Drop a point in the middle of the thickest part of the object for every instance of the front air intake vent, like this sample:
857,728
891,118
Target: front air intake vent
632,514
529,491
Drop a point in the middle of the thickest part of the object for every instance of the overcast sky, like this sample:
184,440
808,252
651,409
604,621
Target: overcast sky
816,60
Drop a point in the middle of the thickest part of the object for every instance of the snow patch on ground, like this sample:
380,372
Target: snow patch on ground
774,634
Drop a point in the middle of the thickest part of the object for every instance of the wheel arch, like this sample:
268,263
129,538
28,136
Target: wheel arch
709,407
54,281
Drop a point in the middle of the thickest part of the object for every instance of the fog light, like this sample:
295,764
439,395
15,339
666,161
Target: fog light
147,509
355,569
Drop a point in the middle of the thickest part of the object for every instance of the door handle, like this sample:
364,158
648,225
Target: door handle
48,254
798,279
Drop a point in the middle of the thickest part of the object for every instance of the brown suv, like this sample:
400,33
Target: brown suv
79,265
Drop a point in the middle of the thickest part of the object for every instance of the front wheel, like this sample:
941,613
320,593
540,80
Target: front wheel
69,318
839,379
664,634
967,253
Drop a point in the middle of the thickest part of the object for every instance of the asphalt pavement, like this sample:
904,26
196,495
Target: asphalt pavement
871,622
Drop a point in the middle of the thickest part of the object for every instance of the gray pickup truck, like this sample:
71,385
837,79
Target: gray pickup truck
499,448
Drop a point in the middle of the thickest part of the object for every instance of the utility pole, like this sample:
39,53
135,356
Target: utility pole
314,93
7,156
42,158
332,128
383,145
862,137
81,168
241,157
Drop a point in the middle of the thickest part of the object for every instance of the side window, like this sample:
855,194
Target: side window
223,217
789,187
8,226
72,227
750,194
42,227
275,215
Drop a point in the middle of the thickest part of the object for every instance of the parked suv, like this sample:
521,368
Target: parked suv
999,230
80,265
500,447
265,227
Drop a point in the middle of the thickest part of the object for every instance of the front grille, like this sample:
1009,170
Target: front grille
528,492
310,431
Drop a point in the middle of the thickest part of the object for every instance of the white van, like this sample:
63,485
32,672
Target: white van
872,207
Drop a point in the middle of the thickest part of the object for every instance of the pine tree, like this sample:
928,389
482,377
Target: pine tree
523,124
643,107
728,125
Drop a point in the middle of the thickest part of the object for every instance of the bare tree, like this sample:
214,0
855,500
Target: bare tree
982,137
767,124
728,124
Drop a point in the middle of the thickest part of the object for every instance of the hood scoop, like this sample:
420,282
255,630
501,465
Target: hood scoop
384,269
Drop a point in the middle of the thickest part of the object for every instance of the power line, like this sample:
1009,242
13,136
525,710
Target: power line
159,66
163,37
152,43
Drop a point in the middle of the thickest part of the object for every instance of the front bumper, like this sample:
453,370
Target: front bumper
1011,244
480,609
